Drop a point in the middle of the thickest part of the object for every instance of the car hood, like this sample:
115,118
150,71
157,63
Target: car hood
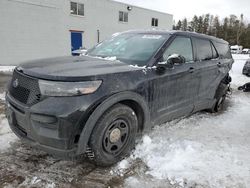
73,68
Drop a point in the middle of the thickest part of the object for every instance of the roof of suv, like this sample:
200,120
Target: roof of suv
183,33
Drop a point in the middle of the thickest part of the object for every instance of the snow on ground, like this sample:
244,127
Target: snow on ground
236,72
6,69
210,150
6,135
2,96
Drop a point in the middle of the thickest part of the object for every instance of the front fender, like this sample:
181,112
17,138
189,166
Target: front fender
106,104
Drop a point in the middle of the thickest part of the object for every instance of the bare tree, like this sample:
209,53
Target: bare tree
240,29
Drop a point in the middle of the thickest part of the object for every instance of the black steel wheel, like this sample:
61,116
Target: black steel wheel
218,105
114,135
220,96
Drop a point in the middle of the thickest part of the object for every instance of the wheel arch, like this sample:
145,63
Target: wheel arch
223,86
131,99
221,91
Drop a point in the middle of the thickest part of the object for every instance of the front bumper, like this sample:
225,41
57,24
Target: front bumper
52,125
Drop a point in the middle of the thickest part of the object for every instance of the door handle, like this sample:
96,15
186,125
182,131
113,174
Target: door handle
219,64
191,69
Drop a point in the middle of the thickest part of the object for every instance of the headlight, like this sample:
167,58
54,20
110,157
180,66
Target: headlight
60,89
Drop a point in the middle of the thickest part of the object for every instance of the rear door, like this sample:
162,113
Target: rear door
207,65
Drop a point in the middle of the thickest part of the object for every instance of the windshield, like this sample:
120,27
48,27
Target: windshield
131,48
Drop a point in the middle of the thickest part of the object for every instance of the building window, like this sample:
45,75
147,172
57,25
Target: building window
77,8
123,16
154,22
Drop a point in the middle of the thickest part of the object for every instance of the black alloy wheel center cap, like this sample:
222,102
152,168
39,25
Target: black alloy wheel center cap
116,136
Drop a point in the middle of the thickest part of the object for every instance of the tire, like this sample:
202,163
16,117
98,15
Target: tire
113,136
218,106
220,103
220,97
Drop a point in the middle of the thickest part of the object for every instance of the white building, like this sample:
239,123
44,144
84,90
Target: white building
32,29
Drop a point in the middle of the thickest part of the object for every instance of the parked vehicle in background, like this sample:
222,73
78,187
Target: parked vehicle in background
245,87
71,106
236,49
246,51
246,68
79,52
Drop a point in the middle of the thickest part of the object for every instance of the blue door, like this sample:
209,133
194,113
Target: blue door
76,41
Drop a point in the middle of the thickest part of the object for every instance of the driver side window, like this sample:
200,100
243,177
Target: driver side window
181,46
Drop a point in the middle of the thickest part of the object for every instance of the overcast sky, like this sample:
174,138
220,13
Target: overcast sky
181,8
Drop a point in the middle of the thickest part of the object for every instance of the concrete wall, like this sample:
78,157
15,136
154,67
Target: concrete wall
32,29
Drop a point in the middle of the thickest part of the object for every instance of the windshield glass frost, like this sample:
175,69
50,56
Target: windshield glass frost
131,48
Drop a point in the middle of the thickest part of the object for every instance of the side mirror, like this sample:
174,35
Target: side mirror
172,60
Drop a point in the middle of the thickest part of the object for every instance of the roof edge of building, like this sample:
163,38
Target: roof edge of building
115,1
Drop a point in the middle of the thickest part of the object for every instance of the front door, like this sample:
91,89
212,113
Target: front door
173,92
76,41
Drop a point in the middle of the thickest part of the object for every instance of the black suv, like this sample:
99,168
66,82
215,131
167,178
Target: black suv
97,104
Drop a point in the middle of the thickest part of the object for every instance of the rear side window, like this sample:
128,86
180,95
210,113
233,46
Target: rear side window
204,50
223,49
181,46
215,54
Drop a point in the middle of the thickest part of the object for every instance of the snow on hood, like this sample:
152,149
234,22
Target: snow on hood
111,58
136,66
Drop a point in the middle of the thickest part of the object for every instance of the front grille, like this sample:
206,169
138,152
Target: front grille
24,88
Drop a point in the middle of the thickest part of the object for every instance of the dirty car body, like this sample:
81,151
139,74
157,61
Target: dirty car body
64,125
